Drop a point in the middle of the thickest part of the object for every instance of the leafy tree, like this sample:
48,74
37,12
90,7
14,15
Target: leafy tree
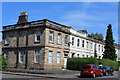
96,36
109,52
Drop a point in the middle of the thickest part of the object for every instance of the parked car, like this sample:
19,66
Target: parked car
106,70
91,70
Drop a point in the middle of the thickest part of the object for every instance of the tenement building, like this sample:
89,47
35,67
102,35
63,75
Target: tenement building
44,44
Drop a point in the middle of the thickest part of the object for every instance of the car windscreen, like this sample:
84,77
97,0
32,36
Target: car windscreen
86,67
101,67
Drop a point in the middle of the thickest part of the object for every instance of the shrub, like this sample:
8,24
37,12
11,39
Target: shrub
3,63
113,64
76,63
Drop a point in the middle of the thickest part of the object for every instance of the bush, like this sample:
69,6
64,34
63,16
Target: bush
3,63
113,64
76,63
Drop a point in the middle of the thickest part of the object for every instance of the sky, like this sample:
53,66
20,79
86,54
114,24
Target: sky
91,16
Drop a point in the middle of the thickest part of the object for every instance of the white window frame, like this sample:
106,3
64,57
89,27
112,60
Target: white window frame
66,39
58,57
91,45
37,56
50,54
73,41
37,34
7,39
59,38
87,44
83,43
78,42
21,56
51,35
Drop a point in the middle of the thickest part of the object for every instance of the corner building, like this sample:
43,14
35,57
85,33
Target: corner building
38,44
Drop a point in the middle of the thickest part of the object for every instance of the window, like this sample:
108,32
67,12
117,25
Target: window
87,56
99,48
91,45
37,37
72,41
78,42
59,38
99,57
51,36
6,55
66,39
83,56
87,44
37,56
83,43
7,39
102,48
21,56
58,57
50,57
77,55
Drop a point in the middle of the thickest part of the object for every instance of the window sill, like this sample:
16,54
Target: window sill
6,44
36,42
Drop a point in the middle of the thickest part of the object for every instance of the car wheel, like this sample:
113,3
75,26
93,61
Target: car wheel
101,74
94,75
106,74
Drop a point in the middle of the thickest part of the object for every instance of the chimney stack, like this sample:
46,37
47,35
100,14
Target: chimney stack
23,18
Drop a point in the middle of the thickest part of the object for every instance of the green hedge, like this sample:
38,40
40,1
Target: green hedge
3,63
113,64
76,63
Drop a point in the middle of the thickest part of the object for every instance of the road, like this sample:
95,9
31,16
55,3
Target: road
21,77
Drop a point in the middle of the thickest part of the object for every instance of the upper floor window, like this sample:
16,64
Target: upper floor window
66,39
37,56
91,45
82,43
59,38
50,57
72,41
99,48
58,57
21,56
87,44
51,36
7,39
78,42
37,37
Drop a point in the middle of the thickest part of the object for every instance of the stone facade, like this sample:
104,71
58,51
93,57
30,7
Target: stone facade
19,44
22,38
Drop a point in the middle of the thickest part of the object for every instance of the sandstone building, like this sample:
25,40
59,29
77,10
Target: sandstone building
44,44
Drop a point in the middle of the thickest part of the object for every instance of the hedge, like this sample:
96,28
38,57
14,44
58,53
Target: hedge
76,63
113,64
3,63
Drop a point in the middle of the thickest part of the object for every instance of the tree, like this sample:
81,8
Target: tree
96,36
109,52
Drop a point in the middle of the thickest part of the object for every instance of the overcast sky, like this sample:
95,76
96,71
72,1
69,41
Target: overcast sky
91,16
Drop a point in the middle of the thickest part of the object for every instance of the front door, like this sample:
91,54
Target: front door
65,59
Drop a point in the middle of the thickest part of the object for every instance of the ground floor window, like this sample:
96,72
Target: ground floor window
50,53
58,57
6,55
37,56
21,56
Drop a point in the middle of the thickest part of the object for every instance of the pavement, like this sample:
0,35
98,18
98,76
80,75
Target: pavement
72,75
